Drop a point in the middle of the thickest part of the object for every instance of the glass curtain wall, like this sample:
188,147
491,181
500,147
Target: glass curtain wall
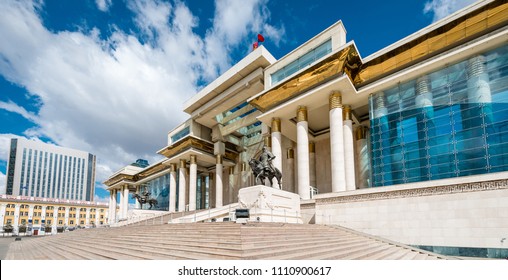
158,189
448,123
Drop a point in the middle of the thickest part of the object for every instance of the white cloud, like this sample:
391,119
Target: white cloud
118,97
104,5
443,8
3,187
14,108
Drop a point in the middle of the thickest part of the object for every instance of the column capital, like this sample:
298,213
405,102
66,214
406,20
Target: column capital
361,132
335,100
379,99
312,147
268,141
276,125
173,167
183,163
193,159
301,114
346,113
218,159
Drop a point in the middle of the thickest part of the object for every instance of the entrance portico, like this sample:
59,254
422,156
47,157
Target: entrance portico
317,118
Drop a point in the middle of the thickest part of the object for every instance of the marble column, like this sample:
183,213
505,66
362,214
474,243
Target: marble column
203,192
290,176
363,156
55,220
381,142
349,149
277,146
172,188
87,217
138,205
182,183
211,190
245,176
312,164
16,219
43,218
30,213
97,214
120,214
66,216
231,184
218,182
193,180
112,207
125,202
426,128
337,143
302,136
484,139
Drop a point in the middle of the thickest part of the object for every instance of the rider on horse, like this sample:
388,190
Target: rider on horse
266,158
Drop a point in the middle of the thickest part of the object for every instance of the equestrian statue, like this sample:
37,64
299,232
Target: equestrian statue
264,169
145,198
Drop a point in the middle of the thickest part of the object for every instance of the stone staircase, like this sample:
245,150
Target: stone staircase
180,217
218,241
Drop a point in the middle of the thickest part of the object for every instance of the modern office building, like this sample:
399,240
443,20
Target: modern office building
409,143
37,169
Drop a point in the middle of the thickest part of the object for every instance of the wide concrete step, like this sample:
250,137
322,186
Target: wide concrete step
214,241
164,247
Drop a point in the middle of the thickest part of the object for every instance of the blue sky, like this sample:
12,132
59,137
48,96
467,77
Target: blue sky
110,76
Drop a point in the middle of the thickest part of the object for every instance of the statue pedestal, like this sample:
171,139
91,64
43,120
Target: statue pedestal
268,204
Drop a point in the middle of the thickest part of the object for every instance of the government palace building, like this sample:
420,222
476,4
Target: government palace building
409,143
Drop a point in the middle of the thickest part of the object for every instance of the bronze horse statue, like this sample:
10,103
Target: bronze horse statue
261,173
145,199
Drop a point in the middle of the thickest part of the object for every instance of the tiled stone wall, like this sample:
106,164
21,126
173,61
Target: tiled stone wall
460,215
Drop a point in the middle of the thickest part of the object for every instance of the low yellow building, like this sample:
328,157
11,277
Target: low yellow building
44,215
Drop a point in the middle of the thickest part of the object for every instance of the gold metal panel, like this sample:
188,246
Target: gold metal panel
173,167
361,132
476,23
268,141
345,61
190,142
335,100
118,178
276,125
150,171
465,28
346,113
312,147
437,42
301,114
497,15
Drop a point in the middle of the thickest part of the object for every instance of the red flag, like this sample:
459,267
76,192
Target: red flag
255,46
261,38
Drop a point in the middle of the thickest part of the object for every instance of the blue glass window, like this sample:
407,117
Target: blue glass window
302,62
464,130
